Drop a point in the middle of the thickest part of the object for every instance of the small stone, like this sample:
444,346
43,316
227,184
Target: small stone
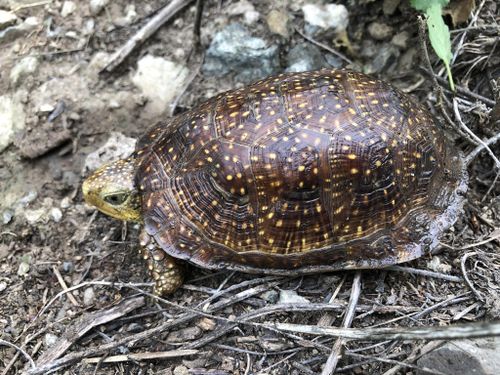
68,7
206,324
390,6
291,296
183,335
234,49
400,40
88,296
130,16
270,296
50,339
56,214
329,16
65,203
11,33
114,104
7,19
68,266
96,6
278,23
23,69
181,370
34,216
304,57
7,216
3,286
245,8
160,81
379,31
386,56
116,147
28,198
11,119
46,108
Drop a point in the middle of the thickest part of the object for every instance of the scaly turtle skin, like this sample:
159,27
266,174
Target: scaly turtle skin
294,174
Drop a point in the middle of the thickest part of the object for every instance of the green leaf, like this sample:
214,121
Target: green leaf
439,35
423,5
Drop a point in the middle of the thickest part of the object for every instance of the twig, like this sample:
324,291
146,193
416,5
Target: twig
474,136
324,46
466,278
145,32
333,358
71,297
85,324
427,273
454,332
26,355
141,356
474,153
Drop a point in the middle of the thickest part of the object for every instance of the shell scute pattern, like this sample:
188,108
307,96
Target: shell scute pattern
304,171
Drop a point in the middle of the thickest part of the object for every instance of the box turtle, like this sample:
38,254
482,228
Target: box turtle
294,174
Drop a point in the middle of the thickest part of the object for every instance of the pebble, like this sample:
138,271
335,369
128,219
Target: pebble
56,214
34,216
50,339
245,8
46,108
304,57
181,370
12,119
390,6
68,7
400,40
68,266
379,31
130,16
278,22
234,49
206,324
25,67
385,56
7,19
3,286
65,203
328,16
88,296
116,147
160,81
270,296
291,296
24,267
7,216
96,6
11,33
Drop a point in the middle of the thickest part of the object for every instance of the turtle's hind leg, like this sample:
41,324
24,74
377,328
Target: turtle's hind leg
166,271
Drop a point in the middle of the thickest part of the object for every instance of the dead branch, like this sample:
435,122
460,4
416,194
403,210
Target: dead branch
141,356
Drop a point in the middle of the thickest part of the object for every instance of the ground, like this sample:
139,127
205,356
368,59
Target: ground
51,241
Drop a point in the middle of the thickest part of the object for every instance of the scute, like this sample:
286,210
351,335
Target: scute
300,173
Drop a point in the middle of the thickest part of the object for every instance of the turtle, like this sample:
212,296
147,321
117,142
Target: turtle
297,173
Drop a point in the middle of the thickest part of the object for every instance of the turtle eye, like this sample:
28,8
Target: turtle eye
116,199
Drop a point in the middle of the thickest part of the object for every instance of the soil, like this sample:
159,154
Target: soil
43,252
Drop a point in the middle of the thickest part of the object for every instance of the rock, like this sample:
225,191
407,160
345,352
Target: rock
291,296
206,324
479,357
56,214
88,296
379,31
303,57
234,50
24,266
160,81
130,16
96,6
245,8
46,108
50,339
386,56
183,335
65,203
400,40
17,31
7,216
270,296
390,6
23,69
34,216
116,147
3,286
278,23
7,19
68,7
181,370
11,119
328,16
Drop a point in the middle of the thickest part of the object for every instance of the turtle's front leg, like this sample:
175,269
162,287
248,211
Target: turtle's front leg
166,271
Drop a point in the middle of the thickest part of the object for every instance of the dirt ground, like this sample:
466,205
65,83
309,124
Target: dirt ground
50,240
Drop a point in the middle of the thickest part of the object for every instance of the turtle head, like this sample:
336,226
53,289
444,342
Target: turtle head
111,189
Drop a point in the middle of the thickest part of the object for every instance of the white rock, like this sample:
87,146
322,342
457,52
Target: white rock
328,16
160,81
24,268
65,203
11,119
50,339
97,5
3,286
130,16
56,214
88,296
22,69
7,18
68,8
117,147
46,108
34,216
291,296
245,8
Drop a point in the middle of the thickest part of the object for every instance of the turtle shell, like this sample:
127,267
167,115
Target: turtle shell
300,173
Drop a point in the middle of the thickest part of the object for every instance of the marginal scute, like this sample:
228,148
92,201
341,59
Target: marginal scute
302,172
